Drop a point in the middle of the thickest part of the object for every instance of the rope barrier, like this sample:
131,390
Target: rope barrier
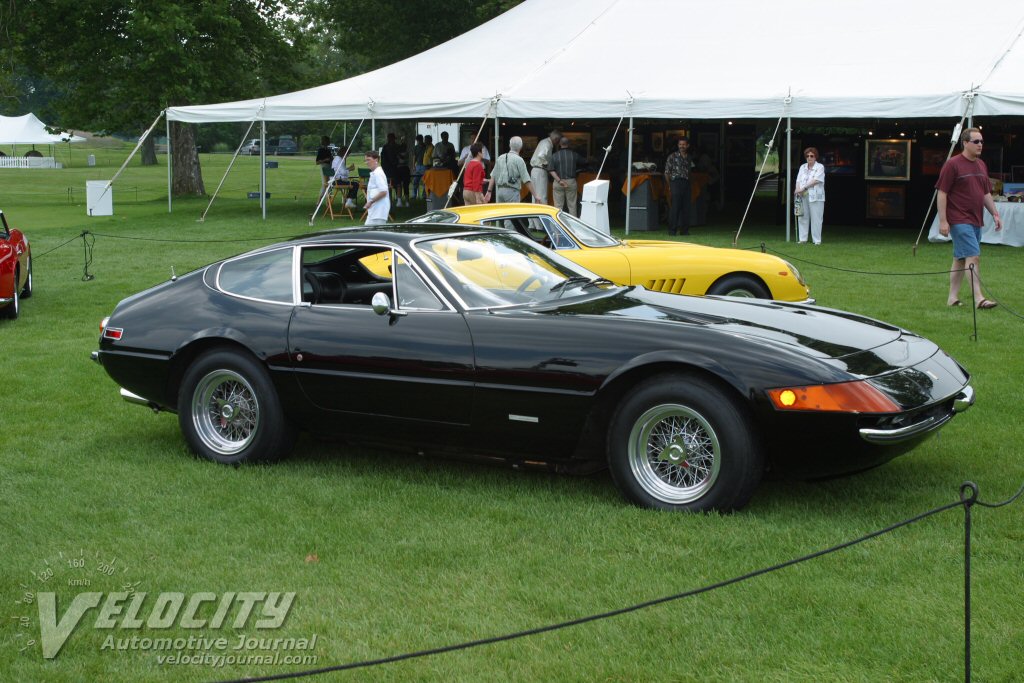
968,496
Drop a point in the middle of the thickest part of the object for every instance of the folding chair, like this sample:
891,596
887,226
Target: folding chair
329,203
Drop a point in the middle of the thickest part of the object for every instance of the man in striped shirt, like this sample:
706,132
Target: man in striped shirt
563,167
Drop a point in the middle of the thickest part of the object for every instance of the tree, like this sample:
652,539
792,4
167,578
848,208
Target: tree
381,32
113,65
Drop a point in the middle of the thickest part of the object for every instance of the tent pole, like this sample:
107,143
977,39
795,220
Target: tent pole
721,165
629,171
373,133
789,175
169,161
497,146
263,168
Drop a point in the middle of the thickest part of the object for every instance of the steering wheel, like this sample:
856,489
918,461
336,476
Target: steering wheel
521,289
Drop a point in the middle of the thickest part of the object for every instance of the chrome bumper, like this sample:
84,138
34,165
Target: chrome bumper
885,437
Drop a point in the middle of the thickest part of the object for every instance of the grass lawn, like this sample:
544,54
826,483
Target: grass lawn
389,553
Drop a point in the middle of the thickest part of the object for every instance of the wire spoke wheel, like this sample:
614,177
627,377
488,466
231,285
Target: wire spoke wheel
674,453
225,411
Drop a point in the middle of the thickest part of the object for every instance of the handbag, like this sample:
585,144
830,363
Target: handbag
798,206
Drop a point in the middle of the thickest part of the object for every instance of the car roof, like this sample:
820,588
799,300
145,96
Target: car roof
399,233
478,212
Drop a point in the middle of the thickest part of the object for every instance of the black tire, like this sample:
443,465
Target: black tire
229,411
740,285
13,309
26,292
678,442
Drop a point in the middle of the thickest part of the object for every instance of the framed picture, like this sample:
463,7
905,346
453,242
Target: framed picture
529,145
708,142
839,159
887,160
1014,190
992,155
580,142
672,137
887,202
657,142
638,143
932,159
739,151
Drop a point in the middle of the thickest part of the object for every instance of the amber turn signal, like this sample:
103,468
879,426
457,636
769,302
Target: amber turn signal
847,397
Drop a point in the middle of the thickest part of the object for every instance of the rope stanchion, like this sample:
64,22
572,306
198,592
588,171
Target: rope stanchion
968,494
87,244
968,497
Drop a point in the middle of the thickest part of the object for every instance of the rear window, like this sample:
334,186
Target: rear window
267,276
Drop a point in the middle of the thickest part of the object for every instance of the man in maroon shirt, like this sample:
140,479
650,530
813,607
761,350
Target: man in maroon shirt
964,189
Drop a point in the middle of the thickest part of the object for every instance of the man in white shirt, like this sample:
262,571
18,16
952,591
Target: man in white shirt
539,165
465,156
378,197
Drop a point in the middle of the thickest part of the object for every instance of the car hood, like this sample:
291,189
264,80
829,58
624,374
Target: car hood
818,331
662,249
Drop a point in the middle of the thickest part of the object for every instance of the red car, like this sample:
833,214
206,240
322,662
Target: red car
15,269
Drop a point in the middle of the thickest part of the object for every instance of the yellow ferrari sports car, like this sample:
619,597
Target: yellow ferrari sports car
662,266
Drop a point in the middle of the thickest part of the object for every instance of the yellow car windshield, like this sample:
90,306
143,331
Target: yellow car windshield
503,269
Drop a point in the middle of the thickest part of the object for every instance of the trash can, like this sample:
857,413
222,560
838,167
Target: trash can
643,208
436,201
91,160
99,199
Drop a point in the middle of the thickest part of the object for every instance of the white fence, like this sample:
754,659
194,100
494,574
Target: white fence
29,162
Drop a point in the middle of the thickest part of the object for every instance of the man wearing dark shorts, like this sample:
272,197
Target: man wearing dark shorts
963,189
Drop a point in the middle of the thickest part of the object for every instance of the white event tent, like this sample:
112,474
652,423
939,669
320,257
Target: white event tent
684,59
29,130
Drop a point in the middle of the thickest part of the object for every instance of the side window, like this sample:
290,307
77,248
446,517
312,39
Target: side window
334,275
528,226
411,290
266,276
559,240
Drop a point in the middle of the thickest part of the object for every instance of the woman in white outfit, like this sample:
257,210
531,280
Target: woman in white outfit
810,190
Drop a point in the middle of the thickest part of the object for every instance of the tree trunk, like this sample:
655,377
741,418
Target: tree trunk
148,151
187,176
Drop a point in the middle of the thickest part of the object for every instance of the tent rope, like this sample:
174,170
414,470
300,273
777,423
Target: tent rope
954,138
611,143
110,182
323,195
231,163
462,169
768,147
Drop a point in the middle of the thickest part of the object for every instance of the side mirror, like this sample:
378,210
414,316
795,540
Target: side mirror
381,303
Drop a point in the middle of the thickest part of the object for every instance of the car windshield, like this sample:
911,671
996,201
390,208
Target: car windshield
585,234
505,269
436,217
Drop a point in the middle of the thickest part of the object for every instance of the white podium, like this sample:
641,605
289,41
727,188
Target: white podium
594,211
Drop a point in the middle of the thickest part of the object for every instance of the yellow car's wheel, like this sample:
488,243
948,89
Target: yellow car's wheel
740,285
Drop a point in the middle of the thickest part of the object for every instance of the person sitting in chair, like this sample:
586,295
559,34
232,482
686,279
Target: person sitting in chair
341,179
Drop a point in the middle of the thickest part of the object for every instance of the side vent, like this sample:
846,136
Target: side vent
669,286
